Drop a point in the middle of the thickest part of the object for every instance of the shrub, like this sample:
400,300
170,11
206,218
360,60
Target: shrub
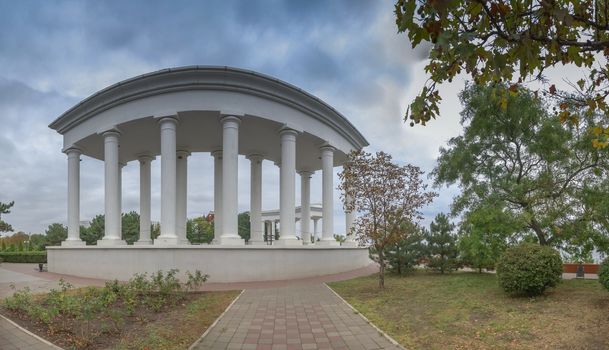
24,257
603,273
528,269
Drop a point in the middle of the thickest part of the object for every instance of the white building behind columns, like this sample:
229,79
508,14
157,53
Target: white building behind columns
170,114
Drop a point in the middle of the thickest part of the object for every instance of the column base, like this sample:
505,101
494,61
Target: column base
110,242
142,242
166,241
256,242
349,244
287,242
230,240
73,243
184,242
328,243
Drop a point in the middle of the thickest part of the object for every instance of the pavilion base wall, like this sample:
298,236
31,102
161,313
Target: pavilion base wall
222,264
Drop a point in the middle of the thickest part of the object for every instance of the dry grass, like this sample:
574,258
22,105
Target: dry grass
470,311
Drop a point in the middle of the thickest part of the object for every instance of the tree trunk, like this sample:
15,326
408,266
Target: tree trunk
381,270
399,260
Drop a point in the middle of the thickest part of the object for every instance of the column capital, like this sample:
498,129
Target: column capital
255,157
182,153
288,131
145,158
230,118
169,119
217,153
327,148
72,151
306,173
111,132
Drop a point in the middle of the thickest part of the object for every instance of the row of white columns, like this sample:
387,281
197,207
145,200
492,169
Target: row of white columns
174,168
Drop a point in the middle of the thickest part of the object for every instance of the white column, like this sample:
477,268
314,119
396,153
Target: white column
287,189
73,198
327,164
349,219
230,165
217,193
168,126
305,206
256,234
182,195
145,200
112,234
315,233
273,230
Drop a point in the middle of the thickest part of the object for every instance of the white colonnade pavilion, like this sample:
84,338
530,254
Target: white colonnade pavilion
168,115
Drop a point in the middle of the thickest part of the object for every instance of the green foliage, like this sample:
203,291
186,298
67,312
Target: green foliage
56,233
405,255
73,312
95,231
510,42
442,251
243,221
37,241
603,274
5,208
130,226
523,170
529,269
24,257
485,234
199,230
340,238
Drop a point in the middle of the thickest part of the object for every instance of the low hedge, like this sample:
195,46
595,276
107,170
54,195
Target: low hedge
24,257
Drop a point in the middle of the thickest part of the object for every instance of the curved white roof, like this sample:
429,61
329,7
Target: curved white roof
199,95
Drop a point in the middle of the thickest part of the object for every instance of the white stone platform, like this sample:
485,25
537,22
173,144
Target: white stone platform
221,263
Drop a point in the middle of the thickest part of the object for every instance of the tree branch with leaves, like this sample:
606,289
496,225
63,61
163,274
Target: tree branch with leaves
512,43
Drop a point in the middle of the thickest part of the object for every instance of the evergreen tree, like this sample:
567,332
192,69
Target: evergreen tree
442,250
403,256
56,233
243,221
95,231
5,208
130,227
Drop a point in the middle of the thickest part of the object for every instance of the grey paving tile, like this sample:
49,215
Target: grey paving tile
293,317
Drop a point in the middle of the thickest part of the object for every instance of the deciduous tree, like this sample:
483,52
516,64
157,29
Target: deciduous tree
545,176
512,42
386,196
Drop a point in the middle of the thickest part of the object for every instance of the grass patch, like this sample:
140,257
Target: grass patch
469,311
148,312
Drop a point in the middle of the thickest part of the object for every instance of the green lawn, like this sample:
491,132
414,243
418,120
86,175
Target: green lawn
469,311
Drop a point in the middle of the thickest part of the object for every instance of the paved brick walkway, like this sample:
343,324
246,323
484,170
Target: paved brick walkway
13,338
301,316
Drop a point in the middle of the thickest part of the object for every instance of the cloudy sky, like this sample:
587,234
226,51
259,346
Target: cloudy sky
55,53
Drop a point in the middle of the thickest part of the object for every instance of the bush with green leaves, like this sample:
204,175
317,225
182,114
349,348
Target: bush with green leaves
603,273
528,269
76,312
24,257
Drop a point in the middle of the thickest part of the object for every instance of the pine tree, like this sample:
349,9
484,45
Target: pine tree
403,256
442,249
